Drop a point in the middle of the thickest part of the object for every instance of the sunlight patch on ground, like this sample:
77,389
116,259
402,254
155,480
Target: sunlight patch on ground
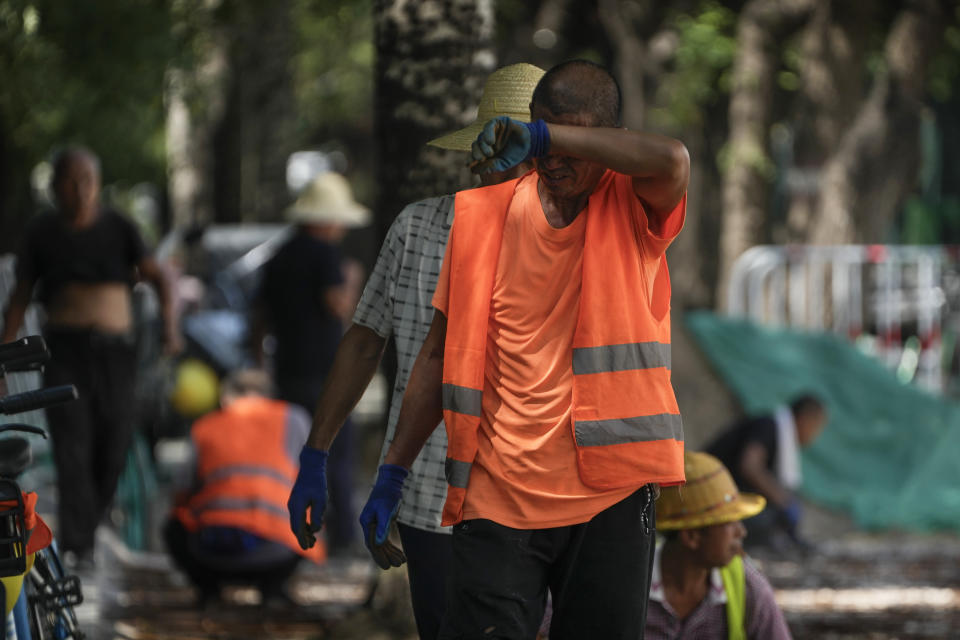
868,599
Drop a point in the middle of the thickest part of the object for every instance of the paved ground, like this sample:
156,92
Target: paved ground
854,585
139,596
881,586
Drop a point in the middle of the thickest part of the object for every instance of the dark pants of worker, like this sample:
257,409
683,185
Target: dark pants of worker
220,555
340,517
598,574
91,435
768,530
429,555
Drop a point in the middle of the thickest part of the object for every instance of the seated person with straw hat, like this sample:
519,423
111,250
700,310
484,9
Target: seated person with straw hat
702,587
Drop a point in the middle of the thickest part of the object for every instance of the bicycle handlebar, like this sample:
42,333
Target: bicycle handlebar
39,399
25,428
23,355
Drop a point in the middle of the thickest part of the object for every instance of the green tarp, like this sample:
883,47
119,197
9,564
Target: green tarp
890,454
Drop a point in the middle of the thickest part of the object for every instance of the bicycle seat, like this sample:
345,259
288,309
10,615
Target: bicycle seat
15,456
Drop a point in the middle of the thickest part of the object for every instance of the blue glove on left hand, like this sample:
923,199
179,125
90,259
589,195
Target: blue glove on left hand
309,492
504,143
379,513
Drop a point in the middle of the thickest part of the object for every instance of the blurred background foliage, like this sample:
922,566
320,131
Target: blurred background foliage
205,100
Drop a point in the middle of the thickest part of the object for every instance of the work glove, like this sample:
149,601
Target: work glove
379,513
504,143
790,516
309,492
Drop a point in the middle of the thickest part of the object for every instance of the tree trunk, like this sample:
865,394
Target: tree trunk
618,19
189,135
761,29
832,87
433,57
877,160
255,136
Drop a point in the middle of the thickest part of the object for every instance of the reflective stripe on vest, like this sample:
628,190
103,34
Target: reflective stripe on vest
463,400
246,470
620,357
593,433
457,473
735,586
239,504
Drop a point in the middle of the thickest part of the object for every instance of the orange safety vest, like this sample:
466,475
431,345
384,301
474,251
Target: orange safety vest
626,422
245,473
37,535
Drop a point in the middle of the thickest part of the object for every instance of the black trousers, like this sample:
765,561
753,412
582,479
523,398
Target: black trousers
598,573
208,565
429,556
91,435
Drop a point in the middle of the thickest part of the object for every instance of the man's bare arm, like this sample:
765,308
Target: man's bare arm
422,408
151,272
353,367
660,166
753,467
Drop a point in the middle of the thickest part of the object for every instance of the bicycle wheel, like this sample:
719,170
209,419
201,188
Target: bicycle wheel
51,597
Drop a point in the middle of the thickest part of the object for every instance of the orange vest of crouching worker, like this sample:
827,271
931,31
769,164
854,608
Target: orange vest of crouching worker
245,472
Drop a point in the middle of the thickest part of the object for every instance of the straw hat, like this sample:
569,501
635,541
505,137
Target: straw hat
507,92
709,496
328,199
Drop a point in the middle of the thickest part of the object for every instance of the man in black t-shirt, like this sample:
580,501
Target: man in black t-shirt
306,295
763,454
83,259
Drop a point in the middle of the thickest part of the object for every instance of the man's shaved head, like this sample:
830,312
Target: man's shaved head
65,157
76,182
579,87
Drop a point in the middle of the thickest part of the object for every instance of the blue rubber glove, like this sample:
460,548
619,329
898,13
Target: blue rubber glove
309,492
379,513
791,517
504,143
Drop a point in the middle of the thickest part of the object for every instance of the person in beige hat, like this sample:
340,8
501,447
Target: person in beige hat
702,587
327,207
307,294
396,302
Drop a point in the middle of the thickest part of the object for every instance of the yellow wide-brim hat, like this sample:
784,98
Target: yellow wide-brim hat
328,199
709,496
507,92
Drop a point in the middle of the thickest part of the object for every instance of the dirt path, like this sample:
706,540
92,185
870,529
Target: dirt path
854,585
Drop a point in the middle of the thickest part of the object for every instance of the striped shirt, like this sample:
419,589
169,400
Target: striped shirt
764,620
397,301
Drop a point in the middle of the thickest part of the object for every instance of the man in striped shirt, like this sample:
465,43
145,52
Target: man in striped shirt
397,302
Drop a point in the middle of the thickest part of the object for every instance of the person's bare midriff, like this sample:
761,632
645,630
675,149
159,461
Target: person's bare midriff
104,306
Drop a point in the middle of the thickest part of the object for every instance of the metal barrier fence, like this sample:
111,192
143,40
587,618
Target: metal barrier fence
900,303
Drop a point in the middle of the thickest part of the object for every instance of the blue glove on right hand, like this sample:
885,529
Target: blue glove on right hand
791,516
309,492
504,143
379,513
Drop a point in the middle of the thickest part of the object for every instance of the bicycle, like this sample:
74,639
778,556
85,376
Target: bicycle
38,595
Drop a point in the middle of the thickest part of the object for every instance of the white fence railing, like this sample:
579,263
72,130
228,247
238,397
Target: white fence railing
900,302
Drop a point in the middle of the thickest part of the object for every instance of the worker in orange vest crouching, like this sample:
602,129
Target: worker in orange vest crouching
231,525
